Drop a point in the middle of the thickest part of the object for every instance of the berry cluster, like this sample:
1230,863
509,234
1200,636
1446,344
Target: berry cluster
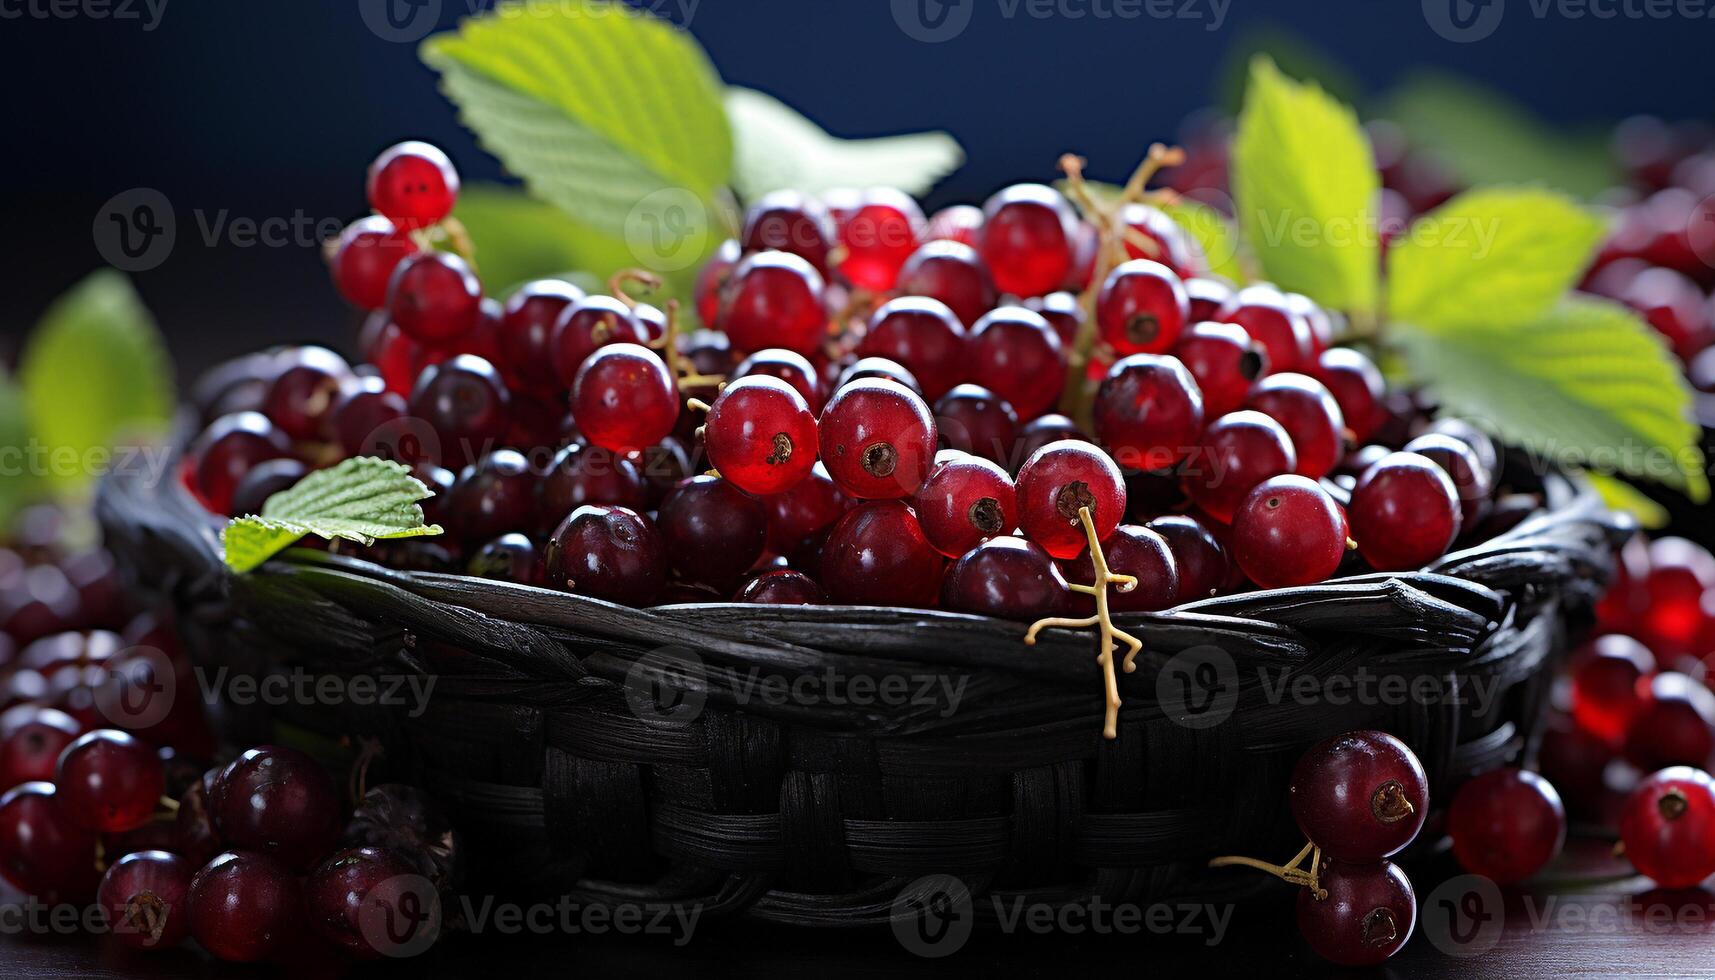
876,412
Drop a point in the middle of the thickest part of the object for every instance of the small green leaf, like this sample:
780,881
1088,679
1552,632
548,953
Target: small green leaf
1587,384
1304,187
1622,496
95,371
778,148
606,112
362,500
1212,231
1491,256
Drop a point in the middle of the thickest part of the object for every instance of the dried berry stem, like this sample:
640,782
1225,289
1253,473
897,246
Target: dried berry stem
1290,872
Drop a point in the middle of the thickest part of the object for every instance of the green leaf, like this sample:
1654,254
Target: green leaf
1492,256
1622,496
779,148
1304,186
95,372
1484,137
362,499
610,114
1587,384
18,481
1212,231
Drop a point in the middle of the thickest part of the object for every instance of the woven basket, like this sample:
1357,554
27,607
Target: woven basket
987,763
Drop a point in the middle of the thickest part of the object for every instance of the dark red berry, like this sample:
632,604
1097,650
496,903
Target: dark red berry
228,449
1673,619
1027,239
493,496
1063,311
465,402
1224,361
1366,915
1153,235
277,801
1310,416
1289,531
42,853
585,326
607,552
1361,796
508,558
1142,308
788,221
1668,827
305,391
1148,412
1474,437
1140,553
244,907
1459,461
961,223
369,250
1238,451
369,902
1207,296
1506,824
878,367
965,501
761,435
877,439
1017,355
413,184
878,236
624,398
1404,513
922,334
952,273
1272,322
1357,385
582,474
434,297
877,555
146,896
397,357
527,326
712,530
1199,559
1058,481
1039,432
804,512
109,782
975,420
782,587
712,279
1674,724
31,751
790,367
774,299
1605,686
1006,577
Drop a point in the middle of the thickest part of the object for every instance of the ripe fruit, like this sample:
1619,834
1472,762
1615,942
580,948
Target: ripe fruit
276,801
790,367
583,474
712,279
965,501
1310,416
1006,577
1272,322
527,325
1674,723
922,334
1058,481
789,221
1357,386
1163,240
1366,917
1238,451
31,751
761,436
1361,796
1680,573
774,299
228,449
369,250
624,398
1199,559
243,906
877,555
804,512
1668,827
368,420
973,419
1605,685
952,273
1039,432
510,557
878,367
1506,824
146,895
878,237
42,853
956,223
1459,461
1207,296
109,782
466,403
1289,531
1016,354
1142,308
1027,239
1063,311
1404,513
493,496
1148,412
413,184
713,532
586,326
1224,361
608,553
434,297
359,889
1136,551
782,587
877,439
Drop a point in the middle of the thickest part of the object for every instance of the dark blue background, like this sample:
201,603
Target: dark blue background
274,108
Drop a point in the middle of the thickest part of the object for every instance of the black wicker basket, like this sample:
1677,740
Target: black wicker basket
548,738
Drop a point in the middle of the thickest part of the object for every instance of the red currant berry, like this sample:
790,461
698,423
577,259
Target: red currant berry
1238,451
493,496
31,751
360,888
1163,240
244,907
434,297
582,474
787,221
1404,513
609,553
1474,437
1063,311
1367,915
878,237
878,367
1006,577
369,420
1310,416
305,391
1016,354
1142,308
1027,239
1289,531
1668,827
964,502
1224,361
952,273
1135,551
397,358
761,436
712,279
1506,824
975,420
877,555
774,299
1039,432
1605,684
782,587
1576,762
1674,723
413,184
1207,296
962,223
42,853
1272,322
1058,481
624,398
1321,326
1200,561
1356,384
145,895
466,403
369,250
278,801
228,449
1148,412
713,532
527,330
922,334
804,512
585,326
109,782
877,439
1361,796
1461,465
1680,573
510,557
790,367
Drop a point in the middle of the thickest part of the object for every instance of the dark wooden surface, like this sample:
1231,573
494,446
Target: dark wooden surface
1583,917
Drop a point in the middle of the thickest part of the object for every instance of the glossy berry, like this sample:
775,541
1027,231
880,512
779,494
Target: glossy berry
1207,295
42,853
1272,322
1058,481
228,449
878,367
586,326
527,325
1310,416
1476,438
434,297
1366,916
413,184
1404,513
1238,451
1027,239
1135,551
774,299
952,273
965,501
109,782
761,435
1148,412
1224,361
624,398
609,553
369,420
877,555
782,587
1289,531
146,896
973,419
303,394
466,404
1459,461
961,223
361,900
1674,723
712,279
878,236
1668,827
1039,432
1357,386
922,334
1142,308
1681,573
31,750
244,907
804,512
493,496
788,221
1007,577
877,440
1198,558
713,531
583,474
1154,236
1361,796
369,250
1017,355
508,558
1506,824
277,801
790,367
1605,686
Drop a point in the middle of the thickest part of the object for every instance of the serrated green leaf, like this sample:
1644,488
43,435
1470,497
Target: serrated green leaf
362,499
1490,256
597,106
1213,232
1622,496
778,148
1588,384
95,371
1304,187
